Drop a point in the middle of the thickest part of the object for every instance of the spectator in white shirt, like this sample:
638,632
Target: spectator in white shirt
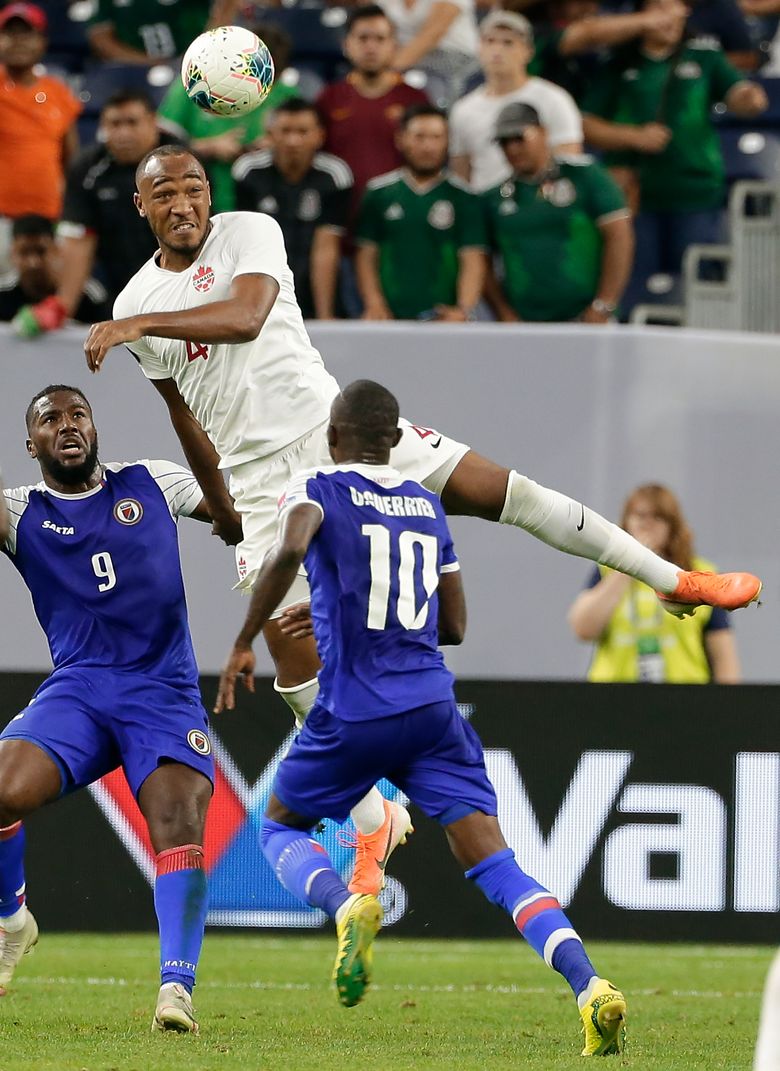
438,37
506,48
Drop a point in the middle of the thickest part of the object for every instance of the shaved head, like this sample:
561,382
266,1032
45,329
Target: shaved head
154,163
367,413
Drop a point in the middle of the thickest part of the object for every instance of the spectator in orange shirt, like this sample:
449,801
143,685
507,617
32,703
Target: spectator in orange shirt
37,123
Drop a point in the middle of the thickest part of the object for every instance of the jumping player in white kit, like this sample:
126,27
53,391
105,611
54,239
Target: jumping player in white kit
213,321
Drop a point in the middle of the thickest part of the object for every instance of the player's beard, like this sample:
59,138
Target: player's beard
74,474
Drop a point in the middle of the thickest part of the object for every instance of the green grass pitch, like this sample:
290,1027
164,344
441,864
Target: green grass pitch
85,1002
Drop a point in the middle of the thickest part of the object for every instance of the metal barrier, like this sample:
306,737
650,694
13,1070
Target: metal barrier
744,297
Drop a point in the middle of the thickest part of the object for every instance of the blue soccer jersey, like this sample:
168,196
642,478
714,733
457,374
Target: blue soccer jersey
104,572
374,567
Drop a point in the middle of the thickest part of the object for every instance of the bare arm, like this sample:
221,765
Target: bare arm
239,318
461,166
604,134
203,459
78,258
494,296
276,575
324,271
721,649
471,278
107,46
606,31
369,285
617,258
760,7
441,17
592,610
452,609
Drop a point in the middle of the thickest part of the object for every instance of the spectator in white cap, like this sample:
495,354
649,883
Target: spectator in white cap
505,50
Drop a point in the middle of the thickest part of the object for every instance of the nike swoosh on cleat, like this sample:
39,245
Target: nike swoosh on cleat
437,444
581,525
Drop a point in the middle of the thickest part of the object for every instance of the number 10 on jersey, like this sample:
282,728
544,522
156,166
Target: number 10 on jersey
408,614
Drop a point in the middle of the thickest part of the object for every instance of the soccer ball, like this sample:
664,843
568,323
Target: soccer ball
227,71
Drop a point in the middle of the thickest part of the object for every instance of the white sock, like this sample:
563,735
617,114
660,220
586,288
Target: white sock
573,528
300,698
584,996
14,923
341,911
768,1047
369,814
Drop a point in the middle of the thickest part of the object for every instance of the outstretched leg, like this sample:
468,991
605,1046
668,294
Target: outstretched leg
479,846
174,800
29,778
478,487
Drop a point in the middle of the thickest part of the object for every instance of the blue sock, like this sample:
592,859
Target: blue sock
303,866
11,869
537,915
181,901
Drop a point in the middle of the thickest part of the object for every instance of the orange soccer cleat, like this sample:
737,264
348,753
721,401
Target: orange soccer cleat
729,591
374,850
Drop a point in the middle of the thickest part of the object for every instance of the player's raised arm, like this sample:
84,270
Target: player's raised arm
298,527
239,318
203,459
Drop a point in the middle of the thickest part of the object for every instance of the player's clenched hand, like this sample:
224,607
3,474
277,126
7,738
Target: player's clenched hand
227,527
109,333
240,664
295,621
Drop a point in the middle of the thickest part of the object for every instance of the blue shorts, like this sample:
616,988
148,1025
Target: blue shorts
90,721
431,753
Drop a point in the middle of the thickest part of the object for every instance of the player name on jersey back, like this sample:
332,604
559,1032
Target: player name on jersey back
393,505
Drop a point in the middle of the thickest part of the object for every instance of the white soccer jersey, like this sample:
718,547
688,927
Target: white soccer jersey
251,398
473,122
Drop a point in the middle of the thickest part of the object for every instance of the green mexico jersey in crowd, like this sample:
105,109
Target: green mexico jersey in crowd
419,231
547,234
189,122
678,91
157,27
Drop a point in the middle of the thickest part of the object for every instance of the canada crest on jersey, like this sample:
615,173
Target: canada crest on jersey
128,511
203,278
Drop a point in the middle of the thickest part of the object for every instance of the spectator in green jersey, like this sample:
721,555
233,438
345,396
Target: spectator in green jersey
219,140
650,110
145,32
559,227
571,39
420,232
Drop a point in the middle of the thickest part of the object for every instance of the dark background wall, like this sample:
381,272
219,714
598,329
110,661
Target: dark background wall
653,812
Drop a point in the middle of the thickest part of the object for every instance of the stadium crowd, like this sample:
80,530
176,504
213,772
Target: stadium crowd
433,160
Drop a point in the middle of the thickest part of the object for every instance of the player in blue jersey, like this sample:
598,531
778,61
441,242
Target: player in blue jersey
97,547
385,591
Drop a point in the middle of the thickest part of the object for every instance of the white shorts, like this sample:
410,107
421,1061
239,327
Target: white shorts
423,454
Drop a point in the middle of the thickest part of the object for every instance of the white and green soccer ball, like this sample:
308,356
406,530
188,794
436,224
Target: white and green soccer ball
227,71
